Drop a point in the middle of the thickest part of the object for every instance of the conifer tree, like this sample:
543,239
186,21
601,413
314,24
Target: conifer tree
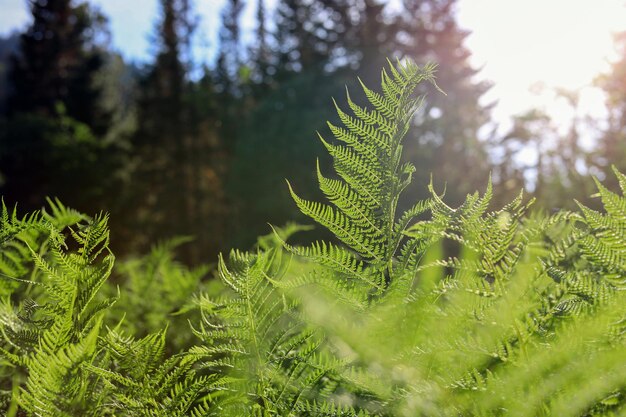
58,61
208,164
231,76
612,149
371,37
176,144
229,56
261,52
311,34
447,143
161,136
8,46
55,118
307,38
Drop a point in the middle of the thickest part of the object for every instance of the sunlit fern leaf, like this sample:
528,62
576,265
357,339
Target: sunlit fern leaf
60,215
604,244
56,384
139,379
331,410
20,235
53,338
614,204
256,338
568,383
497,304
321,279
490,243
371,177
93,236
20,238
365,241
16,236
351,269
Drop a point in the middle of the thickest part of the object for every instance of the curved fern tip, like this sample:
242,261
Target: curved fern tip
290,188
434,83
431,187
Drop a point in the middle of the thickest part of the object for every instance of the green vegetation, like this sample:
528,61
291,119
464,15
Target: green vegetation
433,311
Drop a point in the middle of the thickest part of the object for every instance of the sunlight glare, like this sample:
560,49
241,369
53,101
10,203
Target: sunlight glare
554,43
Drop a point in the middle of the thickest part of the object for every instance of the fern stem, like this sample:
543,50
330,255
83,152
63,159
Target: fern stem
13,407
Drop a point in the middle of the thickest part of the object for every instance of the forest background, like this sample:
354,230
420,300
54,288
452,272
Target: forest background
177,146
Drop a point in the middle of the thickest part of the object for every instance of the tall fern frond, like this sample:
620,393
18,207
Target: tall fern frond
364,197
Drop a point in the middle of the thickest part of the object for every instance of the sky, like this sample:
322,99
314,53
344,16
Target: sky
527,48
531,47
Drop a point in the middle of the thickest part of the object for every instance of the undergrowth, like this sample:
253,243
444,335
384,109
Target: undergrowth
428,311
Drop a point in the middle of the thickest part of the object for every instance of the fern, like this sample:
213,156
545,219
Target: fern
20,284
138,379
168,284
16,236
471,346
436,311
54,336
253,336
469,322
58,358
371,179
604,246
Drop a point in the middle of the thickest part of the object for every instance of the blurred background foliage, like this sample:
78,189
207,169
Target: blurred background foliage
171,147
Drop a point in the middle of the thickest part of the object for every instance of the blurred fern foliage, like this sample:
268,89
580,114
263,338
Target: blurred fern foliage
432,311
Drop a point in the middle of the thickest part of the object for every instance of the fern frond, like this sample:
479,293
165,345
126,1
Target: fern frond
60,215
604,245
365,241
141,380
53,388
371,178
256,338
17,237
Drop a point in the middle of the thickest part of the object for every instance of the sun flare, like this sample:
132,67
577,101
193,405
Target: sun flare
555,44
